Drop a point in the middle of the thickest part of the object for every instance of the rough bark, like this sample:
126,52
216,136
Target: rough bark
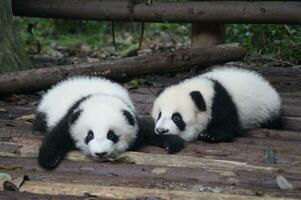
12,56
120,69
164,11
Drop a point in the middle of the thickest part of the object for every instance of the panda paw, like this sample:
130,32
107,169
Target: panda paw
172,144
49,160
205,137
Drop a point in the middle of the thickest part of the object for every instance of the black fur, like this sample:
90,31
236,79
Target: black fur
198,99
274,123
159,116
129,117
224,125
112,136
74,116
89,137
58,141
40,123
159,92
177,119
147,136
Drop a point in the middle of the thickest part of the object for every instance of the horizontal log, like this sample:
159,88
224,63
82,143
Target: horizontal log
164,11
31,80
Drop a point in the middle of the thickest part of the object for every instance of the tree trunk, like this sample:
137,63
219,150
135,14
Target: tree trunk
12,56
205,35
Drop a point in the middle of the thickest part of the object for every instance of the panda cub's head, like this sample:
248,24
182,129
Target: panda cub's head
184,109
103,126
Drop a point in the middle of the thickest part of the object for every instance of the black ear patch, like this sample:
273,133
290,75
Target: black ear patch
74,116
198,99
129,117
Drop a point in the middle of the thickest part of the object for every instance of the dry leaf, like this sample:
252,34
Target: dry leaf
2,110
4,177
283,183
14,184
122,160
28,118
159,170
10,167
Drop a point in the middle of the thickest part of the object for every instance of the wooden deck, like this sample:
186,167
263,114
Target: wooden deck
264,164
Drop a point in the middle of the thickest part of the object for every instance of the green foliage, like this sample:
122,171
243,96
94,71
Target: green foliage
281,42
277,41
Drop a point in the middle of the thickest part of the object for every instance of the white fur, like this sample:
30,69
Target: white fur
177,98
100,113
56,102
255,99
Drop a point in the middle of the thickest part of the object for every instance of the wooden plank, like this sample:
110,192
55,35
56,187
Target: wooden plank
42,187
234,181
164,11
251,148
292,123
6,195
291,110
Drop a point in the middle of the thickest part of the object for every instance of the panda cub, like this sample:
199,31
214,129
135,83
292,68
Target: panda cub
94,115
217,106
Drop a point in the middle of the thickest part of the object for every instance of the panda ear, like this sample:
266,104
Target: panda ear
74,116
198,99
129,117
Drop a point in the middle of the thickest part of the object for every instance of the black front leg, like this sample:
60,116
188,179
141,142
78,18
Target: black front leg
56,144
219,134
171,143
147,136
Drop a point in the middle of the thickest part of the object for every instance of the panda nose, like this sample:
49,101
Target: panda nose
100,155
161,131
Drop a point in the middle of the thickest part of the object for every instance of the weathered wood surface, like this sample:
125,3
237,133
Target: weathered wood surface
7,195
120,69
284,12
248,168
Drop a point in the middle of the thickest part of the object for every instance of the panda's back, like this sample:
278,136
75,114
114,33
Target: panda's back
57,101
256,100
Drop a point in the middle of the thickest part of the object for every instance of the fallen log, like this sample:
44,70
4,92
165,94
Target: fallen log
37,79
164,11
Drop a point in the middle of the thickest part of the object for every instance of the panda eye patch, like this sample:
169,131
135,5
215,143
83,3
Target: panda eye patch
159,116
89,137
112,136
176,117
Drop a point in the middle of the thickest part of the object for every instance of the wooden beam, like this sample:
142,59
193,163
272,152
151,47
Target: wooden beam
273,12
31,80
